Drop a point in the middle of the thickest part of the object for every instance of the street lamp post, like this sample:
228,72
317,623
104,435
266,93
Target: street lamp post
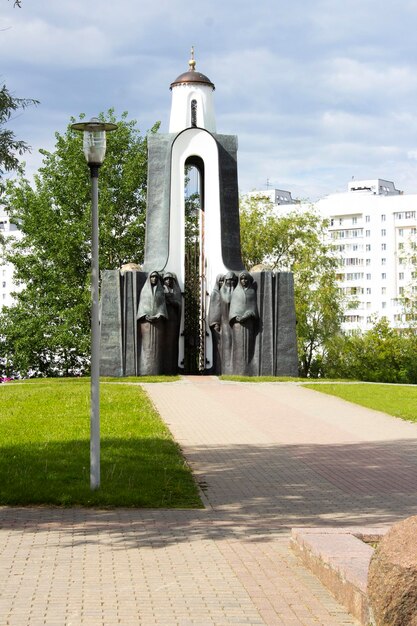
94,146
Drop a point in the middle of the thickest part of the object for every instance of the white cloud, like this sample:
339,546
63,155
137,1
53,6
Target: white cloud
351,76
316,92
41,44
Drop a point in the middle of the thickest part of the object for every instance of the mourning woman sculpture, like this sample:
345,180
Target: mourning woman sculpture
243,318
152,315
214,321
226,292
173,301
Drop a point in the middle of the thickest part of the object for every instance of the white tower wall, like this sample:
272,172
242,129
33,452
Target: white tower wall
182,96
196,142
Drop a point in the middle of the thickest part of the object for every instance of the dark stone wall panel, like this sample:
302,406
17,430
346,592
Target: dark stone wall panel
111,350
158,201
286,359
265,337
229,202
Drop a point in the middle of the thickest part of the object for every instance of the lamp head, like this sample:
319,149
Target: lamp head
94,140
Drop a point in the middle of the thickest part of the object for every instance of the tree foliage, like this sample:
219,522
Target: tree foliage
47,329
10,147
381,354
295,241
407,258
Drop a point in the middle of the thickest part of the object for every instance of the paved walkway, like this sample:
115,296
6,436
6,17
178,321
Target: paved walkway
267,457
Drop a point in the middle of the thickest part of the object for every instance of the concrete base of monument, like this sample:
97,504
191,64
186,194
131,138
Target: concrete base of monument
340,558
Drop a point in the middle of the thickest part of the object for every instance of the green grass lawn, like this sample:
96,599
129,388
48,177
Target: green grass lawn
397,400
261,379
44,448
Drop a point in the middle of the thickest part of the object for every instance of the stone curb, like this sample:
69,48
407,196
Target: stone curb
340,558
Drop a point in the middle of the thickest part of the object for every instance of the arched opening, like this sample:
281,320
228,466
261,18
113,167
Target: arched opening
194,265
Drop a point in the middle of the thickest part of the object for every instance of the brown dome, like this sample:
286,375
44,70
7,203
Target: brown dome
192,76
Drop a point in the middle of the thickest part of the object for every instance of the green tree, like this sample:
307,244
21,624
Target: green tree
381,354
47,329
10,147
295,241
407,257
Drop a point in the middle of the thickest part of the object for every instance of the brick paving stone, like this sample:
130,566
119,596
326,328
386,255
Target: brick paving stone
269,457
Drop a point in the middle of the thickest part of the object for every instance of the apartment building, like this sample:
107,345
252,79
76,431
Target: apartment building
374,228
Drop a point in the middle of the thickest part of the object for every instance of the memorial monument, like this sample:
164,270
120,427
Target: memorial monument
193,307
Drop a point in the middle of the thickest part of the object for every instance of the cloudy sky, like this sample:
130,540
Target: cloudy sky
317,91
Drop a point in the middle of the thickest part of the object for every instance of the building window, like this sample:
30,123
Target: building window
368,233
368,247
368,277
368,261
384,305
383,276
383,218
352,318
383,246
400,246
401,276
401,232
368,291
368,305
383,261
354,220
383,290
401,291
383,232
4,284
193,113
367,218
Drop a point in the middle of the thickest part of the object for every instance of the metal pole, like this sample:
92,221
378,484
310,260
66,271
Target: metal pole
95,339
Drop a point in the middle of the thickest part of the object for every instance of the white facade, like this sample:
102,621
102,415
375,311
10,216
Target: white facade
374,228
183,95
6,270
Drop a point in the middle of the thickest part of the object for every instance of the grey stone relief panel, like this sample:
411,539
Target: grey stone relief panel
229,202
158,201
286,359
265,338
130,340
111,350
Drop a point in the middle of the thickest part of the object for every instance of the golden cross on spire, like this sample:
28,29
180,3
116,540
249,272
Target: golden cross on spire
191,62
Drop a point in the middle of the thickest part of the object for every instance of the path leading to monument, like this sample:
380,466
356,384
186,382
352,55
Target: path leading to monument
268,457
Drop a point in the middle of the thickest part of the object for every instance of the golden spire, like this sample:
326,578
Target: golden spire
191,62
